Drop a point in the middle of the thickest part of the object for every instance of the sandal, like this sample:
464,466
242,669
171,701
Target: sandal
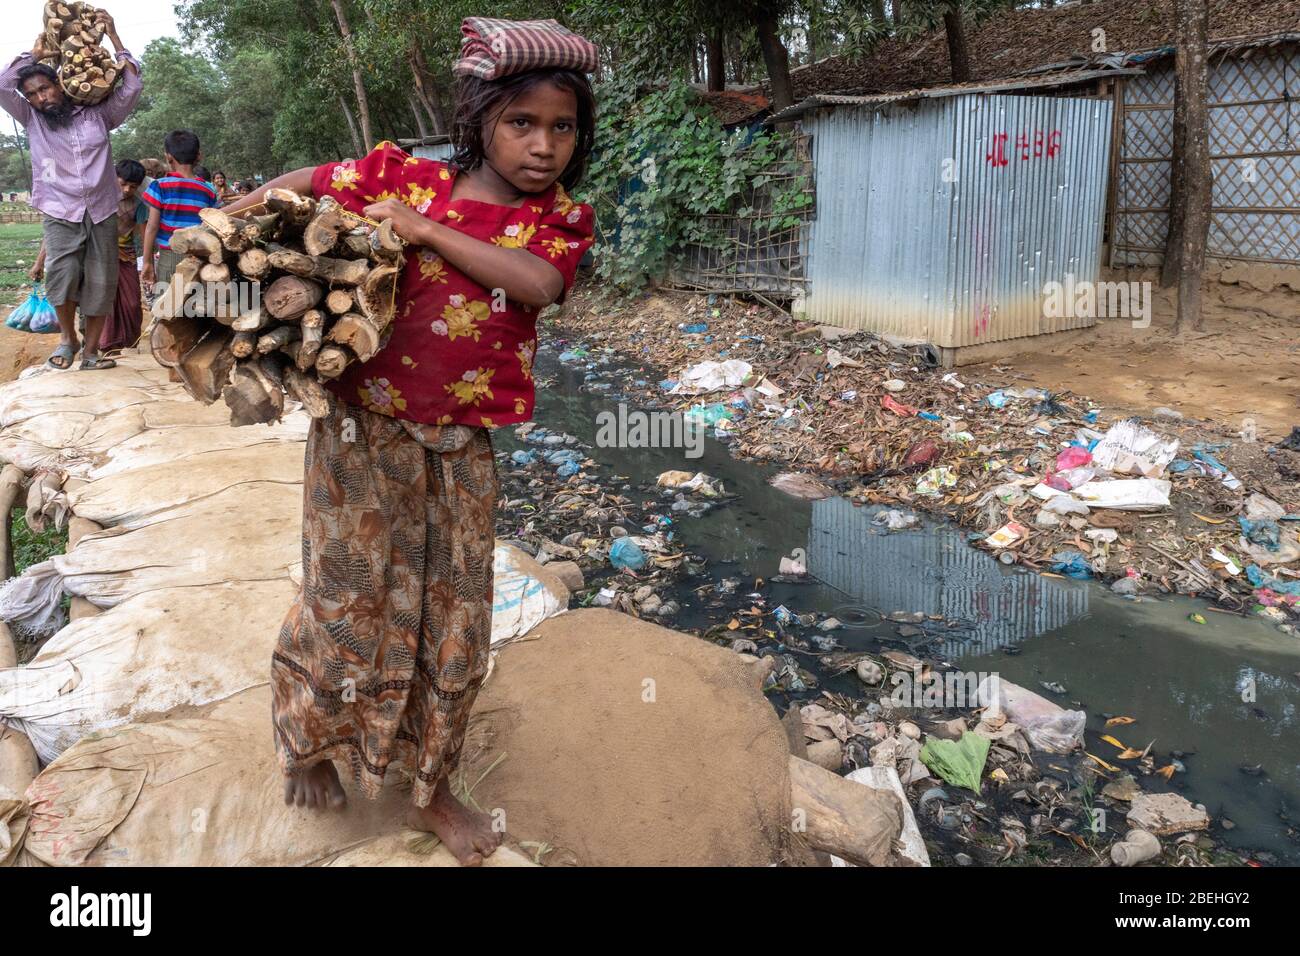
66,352
92,361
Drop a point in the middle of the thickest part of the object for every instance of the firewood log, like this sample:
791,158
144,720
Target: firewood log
170,340
243,344
346,272
314,399
377,296
253,399
339,301
277,337
386,244
198,241
356,245
357,332
180,289
287,260
252,321
254,263
295,211
331,361
312,325
228,229
272,366
215,273
205,369
259,228
290,295
322,233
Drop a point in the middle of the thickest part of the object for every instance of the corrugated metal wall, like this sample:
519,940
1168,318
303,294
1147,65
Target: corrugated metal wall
441,151
937,572
942,222
1254,154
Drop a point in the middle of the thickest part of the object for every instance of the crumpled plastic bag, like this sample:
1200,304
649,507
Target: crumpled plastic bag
712,376
958,762
30,603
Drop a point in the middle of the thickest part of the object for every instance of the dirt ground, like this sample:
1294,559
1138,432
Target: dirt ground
18,350
1245,366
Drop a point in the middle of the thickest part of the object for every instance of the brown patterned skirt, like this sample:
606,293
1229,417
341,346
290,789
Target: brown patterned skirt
381,655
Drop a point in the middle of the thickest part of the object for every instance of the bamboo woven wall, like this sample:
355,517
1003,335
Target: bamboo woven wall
1254,154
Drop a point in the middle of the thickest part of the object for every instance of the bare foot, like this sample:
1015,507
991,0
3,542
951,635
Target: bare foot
317,787
467,833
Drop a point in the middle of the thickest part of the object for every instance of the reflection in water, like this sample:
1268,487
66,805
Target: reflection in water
1182,682
934,570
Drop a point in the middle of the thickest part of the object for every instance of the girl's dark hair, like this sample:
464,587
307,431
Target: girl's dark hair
478,101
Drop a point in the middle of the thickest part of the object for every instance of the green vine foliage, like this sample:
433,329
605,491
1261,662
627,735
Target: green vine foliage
663,165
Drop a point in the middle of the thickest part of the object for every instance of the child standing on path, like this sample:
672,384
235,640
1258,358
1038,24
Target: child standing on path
382,653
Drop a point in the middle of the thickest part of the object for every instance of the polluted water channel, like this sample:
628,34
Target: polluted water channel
1219,699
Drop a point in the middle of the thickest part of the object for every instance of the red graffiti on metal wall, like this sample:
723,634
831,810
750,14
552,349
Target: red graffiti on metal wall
1039,144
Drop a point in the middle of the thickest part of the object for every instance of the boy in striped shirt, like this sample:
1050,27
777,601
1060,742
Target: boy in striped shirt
174,202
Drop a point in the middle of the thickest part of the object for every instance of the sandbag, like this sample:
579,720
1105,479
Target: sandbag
30,604
688,769
15,814
19,764
249,532
156,445
41,389
195,791
129,498
70,441
176,647
524,593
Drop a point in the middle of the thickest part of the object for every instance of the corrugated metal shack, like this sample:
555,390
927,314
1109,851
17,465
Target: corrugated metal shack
430,147
942,214
1254,84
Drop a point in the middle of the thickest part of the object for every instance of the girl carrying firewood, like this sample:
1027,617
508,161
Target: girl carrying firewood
381,655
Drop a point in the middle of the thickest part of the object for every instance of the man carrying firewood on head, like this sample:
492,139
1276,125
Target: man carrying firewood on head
75,186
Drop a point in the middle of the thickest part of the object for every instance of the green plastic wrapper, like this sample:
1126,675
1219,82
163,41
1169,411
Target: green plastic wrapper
958,762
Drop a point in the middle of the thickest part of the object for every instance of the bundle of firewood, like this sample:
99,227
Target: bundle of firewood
87,71
274,300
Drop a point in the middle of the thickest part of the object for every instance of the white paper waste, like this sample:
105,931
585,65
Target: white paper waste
711,376
1121,494
1130,448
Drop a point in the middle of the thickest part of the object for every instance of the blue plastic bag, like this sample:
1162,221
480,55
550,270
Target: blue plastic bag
44,317
21,317
35,314
625,554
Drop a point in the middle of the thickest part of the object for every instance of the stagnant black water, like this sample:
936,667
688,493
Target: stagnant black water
1181,681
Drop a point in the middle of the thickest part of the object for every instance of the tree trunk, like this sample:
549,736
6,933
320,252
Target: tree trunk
357,149
1169,268
426,91
777,61
363,104
717,64
878,14
958,55
1190,66
899,13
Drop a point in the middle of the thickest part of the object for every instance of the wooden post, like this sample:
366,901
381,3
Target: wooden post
1194,18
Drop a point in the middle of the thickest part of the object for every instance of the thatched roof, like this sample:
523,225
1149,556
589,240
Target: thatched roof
1020,40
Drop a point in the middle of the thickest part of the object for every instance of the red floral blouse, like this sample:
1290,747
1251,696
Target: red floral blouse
457,354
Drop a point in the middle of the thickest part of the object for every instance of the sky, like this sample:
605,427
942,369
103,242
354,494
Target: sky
138,21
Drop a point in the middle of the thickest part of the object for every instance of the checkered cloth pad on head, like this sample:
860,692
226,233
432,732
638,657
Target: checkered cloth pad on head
491,49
